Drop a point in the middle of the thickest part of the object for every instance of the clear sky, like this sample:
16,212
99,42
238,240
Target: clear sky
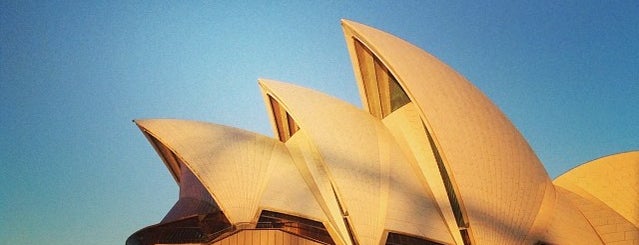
76,170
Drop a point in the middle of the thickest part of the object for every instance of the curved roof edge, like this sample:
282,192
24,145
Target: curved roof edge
596,160
611,180
334,125
480,150
317,114
218,156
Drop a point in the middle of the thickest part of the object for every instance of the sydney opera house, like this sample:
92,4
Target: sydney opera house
428,160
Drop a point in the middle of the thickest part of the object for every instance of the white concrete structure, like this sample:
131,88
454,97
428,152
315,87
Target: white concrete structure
429,160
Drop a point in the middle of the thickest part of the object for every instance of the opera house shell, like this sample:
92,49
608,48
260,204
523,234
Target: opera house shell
428,160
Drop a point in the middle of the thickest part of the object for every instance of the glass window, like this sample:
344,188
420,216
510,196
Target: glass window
383,93
195,217
401,239
194,229
307,228
462,224
285,124
398,96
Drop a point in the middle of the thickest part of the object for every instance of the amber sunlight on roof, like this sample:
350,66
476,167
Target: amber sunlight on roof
428,160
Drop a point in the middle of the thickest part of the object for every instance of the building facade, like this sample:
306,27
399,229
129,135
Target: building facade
428,160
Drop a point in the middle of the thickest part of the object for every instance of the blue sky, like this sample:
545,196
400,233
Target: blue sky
76,170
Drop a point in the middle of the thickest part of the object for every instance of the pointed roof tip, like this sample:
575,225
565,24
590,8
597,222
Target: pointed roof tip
347,23
264,82
138,121
261,80
141,122
355,27
269,86
267,83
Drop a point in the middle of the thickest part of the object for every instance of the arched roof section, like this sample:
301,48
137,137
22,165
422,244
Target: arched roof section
351,157
234,165
611,180
611,227
287,192
497,175
358,152
567,224
312,169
